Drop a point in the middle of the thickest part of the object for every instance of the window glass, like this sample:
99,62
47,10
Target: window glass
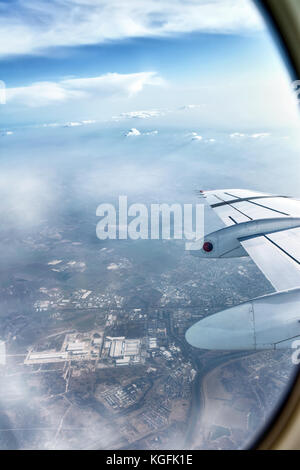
109,109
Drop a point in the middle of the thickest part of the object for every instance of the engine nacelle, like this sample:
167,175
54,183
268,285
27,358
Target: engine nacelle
268,322
225,243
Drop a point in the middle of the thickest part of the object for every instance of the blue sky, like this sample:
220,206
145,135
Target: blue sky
93,60
176,58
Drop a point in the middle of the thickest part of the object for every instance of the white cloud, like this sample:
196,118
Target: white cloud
51,124
151,133
190,106
70,123
133,132
237,135
110,84
28,194
41,94
88,121
140,114
196,136
259,135
153,113
35,25
6,133
73,124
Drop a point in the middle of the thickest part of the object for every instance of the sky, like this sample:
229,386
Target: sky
152,99
178,60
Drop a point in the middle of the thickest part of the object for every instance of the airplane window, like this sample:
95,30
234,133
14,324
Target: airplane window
150,215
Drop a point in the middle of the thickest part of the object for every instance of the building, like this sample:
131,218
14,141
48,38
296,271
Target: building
123,351
132,347
116,346
76,346
124,361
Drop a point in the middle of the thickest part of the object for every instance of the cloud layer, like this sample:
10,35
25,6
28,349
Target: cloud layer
108,85
33,26
146,114
259,135
135,132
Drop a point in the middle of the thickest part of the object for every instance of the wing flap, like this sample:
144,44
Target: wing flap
242,205
279,266
276,254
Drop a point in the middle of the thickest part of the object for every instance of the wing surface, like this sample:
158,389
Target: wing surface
276,254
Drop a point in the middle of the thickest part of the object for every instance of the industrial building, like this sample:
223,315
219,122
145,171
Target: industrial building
76,347
123,351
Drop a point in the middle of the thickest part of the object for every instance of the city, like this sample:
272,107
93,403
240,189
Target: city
113,353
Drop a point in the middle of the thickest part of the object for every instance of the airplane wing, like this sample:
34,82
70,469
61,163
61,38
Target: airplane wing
265,227
276,254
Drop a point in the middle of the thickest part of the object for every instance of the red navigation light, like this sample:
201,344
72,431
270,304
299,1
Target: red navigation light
207,246
201,191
